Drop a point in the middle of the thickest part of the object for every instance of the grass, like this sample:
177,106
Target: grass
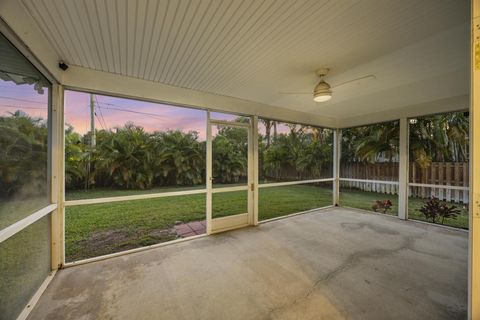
229,203
279,201
105,193
98,229
24,265
13,210
461,221
364,200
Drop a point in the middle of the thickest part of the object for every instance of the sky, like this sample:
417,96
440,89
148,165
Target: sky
22,97
111,112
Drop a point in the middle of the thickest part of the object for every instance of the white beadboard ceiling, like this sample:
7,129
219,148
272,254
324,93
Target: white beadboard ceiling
418,50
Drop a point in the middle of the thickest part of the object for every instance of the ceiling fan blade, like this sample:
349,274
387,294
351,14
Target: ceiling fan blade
291,92
357,80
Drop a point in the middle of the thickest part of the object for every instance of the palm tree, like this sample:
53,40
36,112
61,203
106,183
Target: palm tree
438,138
268,128
179,157
230,154
124,158
23,155
77,156
377,140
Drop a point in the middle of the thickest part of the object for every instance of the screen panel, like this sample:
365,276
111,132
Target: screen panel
439,169
293,152
98,229
25,262
274,202
116,146
24,111
371,196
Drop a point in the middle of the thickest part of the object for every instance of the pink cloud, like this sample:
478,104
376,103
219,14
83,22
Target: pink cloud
22,97
113,112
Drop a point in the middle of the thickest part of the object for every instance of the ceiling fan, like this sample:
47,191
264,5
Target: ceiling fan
323,91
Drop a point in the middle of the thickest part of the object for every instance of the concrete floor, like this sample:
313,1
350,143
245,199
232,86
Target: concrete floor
328,264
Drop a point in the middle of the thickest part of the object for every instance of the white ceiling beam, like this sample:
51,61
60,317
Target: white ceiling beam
78,78
457,103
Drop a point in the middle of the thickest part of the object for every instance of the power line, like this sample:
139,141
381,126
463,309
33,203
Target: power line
23,100
101,113
137,112
20,107
99,121
123,108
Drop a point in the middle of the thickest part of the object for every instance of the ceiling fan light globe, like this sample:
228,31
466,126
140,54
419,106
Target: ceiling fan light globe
322,97
322,92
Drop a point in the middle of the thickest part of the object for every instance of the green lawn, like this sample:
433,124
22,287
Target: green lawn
105,193
13,210
461,221
279,201
92,230
24,265
364,200
97,229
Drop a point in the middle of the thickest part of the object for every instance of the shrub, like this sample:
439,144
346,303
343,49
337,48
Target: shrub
435,209
385,205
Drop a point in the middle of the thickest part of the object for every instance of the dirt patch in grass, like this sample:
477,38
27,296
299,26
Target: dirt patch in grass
110,241
105,238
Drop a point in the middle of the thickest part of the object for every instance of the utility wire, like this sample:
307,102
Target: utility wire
101,113
123,108
131,111
20,107
99,120
23,100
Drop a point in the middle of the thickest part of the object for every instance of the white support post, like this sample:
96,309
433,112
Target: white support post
209,175
255,168
337,145
403,171
250,173
474,248
58,177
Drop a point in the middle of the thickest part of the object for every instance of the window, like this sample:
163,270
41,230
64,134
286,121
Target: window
116,147
146,152
295,168
24,101
438,169
24,181
369,167
293,152
24,265
279,201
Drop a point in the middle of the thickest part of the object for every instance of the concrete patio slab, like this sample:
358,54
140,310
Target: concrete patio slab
327,264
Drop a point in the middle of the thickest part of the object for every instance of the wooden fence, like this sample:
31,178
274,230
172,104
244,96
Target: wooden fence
438,173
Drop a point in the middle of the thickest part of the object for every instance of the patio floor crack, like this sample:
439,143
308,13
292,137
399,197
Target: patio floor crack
350,262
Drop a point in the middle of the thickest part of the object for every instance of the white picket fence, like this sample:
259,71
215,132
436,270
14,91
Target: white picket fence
447,181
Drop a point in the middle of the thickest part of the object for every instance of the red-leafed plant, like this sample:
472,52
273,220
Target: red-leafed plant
383,205
435,210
